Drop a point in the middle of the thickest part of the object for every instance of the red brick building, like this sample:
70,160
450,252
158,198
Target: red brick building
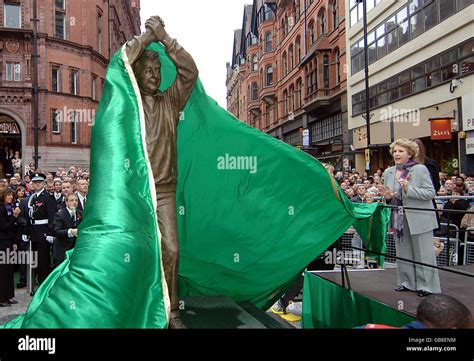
287,75
75,42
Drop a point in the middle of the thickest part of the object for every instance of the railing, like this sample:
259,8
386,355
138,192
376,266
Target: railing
456,241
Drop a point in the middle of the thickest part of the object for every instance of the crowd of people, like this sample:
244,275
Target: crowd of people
41,211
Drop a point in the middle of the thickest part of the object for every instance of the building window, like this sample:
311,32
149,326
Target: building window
60,19
74,125
285,102
13,72
56,121
291,57
94,87
268,42
326,71
407,23
56,80
338,66
298,49
357,10
74,82
285,63
254,63
322,22
335,16
326,128
299,89
312,35
292,98
428,74
254,91
99,32
12,17
269,75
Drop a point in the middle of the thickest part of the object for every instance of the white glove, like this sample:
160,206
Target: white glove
25,238
50,239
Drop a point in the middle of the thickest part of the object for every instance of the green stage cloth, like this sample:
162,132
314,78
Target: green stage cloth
252,213
328,305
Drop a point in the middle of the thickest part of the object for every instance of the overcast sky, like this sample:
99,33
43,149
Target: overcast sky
205,28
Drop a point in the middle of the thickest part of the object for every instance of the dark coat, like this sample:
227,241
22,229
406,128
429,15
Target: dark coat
62,223
8,225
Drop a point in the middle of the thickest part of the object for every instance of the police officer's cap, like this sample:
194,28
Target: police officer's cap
38,177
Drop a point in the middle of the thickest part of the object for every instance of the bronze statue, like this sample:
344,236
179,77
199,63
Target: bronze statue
162,112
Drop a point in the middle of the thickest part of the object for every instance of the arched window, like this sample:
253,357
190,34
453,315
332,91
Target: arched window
299,89
286,25
254,63
291,57
284,61
268,42
254,91
298,49
269,75
338,66
296,4
292,98
261,78
335,15
326,71
322,22
285,102
311,32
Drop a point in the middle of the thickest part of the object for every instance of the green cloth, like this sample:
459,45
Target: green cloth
247,226
328,305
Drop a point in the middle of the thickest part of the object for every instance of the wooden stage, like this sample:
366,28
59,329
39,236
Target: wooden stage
379,284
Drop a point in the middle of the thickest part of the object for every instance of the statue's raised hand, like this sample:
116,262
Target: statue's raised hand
157,27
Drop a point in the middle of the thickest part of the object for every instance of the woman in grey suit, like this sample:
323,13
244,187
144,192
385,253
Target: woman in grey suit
408,184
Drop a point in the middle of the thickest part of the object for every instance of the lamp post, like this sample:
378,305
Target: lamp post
366,70
36,156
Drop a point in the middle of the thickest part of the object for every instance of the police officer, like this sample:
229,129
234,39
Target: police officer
40,225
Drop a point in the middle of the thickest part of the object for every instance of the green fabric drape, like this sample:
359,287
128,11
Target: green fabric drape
328,305
252,213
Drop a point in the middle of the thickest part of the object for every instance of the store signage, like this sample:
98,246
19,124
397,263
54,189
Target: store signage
9,128
441,129
470,143
305,137
468,111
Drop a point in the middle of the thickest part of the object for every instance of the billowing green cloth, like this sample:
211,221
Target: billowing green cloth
244,233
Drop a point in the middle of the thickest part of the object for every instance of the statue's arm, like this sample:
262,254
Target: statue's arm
187,72
136,46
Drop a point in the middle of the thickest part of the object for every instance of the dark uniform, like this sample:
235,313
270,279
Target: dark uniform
40,224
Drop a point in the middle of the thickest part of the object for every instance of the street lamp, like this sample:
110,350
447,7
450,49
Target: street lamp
366,69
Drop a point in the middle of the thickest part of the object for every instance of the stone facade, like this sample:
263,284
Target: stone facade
74,47
287,76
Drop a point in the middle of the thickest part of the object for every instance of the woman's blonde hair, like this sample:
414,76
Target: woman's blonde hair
410,146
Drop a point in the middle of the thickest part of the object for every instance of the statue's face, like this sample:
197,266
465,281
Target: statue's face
149,76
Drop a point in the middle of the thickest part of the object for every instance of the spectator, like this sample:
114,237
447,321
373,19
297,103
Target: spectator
66,222
16,162
359,198
8,227
431,164
449,185
31,170
82,189
441,311
350,192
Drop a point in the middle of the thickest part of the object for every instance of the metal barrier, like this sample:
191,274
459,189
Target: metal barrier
468,247
449,254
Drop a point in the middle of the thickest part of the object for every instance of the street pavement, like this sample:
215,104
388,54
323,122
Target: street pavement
9,313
